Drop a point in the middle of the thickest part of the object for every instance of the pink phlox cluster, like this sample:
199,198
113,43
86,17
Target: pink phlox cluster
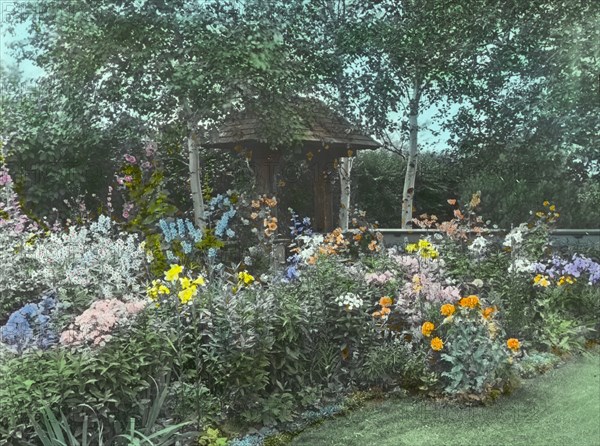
431,289
95,325
379,278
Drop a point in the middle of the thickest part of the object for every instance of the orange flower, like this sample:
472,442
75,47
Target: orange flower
255,204
357,237
272,226
513,344
377,314
386,301
469,302
385,311
271,202
437,344
311,260
487,312
447,310
427,328
372,245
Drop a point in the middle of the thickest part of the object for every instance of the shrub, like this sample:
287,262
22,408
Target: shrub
95,258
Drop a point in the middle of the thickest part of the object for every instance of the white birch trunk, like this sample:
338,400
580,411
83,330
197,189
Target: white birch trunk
344,170
408,191
196,182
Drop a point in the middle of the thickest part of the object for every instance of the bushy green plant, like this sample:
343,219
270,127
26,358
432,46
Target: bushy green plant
468,348
110,381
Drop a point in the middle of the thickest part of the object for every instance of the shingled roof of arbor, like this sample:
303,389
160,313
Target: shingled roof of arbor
320,126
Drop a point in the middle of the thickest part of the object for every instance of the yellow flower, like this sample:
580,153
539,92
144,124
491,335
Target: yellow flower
173,273
163,290
185,282
552,208
245,277
469,302
423,244
447,310
427,328
539,214
540,280
412,247
513,344
386,301
186,295
546,203
199,281
437,344
309,156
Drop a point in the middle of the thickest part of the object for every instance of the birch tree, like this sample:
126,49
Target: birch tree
164,63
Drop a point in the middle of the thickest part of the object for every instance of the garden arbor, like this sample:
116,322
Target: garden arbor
321,137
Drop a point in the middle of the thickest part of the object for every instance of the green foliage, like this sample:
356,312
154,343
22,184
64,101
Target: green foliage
395,363
537,363
212,437
110,382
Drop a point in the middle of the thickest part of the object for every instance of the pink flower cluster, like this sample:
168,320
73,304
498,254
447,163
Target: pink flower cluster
379,278
427,279
95,325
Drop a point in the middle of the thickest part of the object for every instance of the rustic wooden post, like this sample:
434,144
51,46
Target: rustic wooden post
323,195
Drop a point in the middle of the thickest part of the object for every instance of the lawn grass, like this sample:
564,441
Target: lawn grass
559,408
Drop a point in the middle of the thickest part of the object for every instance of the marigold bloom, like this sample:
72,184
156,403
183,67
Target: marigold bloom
552,208
469,302
385,311
546,203
513,344
386,301
447,309
427,328
173,273
437,344
487,312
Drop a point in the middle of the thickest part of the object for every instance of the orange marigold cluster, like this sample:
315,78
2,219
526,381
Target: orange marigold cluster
437,344
469,302
447,309
427,328
513,344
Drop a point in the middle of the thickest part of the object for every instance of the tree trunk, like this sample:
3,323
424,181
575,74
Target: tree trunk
196,182
408,191
344,170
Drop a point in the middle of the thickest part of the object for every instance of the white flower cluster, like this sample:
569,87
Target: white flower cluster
521,265
92,258
350,301
310,246
515,237
479,246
